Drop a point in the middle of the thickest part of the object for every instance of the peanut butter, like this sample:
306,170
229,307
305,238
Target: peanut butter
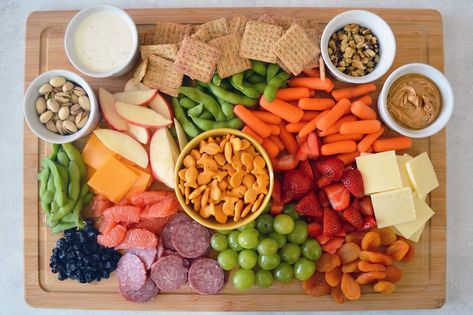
414,100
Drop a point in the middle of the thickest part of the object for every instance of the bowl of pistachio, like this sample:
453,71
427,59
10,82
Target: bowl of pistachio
60,107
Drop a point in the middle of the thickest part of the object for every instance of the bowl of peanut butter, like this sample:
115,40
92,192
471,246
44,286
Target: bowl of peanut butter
416,100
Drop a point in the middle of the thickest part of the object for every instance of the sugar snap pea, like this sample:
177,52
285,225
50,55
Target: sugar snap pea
206,124
187,102
59,183
209,102
186,124
244,87
63,159
62,226
271,71
205,114
196,110
54,150
231,97
258,67
74,155
274,84
256,78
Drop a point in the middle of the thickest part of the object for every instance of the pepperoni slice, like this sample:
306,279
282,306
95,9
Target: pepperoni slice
169,273
131,272
206,276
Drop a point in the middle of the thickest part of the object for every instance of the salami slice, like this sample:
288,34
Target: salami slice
160,250
206,276
168,252
190,239
169,273
144,294
147,255
131,272
169,228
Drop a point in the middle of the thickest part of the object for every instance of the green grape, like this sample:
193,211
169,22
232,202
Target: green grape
283,224
311,249
250,225
290,253
268,262
268,246
299,234
219,242
243,279
290,211
264,223
247,258
264,278
283,272
248,238
227,259
281,239
304,268
224,232
233,240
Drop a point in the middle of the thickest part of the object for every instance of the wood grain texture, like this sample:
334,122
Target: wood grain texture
419,39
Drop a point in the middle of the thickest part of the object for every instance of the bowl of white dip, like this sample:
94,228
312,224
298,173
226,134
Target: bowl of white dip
102,41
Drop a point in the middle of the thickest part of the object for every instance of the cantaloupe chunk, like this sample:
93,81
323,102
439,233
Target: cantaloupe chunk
95,153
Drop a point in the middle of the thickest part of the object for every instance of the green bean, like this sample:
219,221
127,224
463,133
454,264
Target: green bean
248,73
196,110
206,124
227,108
74,185
88,197
237,79
274,84
260,86
54,150
46,207
245,88
232,98
74,155
59,183
205,114
258,67
272,71
216,79
186,124
63,159
60,227
256,78
187,102
207,100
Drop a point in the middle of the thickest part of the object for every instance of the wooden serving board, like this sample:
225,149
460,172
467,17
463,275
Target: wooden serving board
419,39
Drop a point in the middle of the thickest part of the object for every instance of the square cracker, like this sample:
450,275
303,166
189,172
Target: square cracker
314,35
197,59
216,28
170,33
202,34
286,22
166,51
258,41
140,71
266,18
146,37
230,62
237,24
161,75
295,49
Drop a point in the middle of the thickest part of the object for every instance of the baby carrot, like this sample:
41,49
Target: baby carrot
360,126
251,132
365,99
292,94
316,103
353,91
314,73
309,115
336,127
274,129
267,117
282,109
397,143
334,114
260,127
277,142
295,127
348,158
288,139
311,93
312,125
369,139
362,111
347,146
271,148
312,83
339,137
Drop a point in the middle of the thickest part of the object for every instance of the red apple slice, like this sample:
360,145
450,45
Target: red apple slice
181,135
141,116
107,106
161,106
138,97
131,86
124,146
140,134
162,152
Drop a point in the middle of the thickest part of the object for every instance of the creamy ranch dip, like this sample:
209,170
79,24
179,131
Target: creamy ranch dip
103,41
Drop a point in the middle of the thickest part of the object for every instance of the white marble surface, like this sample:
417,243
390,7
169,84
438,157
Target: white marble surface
458,41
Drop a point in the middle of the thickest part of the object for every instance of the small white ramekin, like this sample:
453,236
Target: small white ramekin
69,47
32,117
379,27
445,90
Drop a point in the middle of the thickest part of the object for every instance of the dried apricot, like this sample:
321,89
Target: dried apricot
371,241
368,277
384,287
348,252
387,236
351,267
376,257
337,295
327,262
355,237
334,277
398,249
350,288
410,253
316,285
367,266
393,274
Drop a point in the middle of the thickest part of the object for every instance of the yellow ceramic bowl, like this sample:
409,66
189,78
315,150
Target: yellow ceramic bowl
211,222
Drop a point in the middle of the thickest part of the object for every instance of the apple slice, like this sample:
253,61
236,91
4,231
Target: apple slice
131,86
181,135
162,152
124,146
161,106
141,116
107,106
139,133
138,97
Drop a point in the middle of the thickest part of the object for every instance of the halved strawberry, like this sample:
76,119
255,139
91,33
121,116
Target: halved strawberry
368,222
353,181
332,224
338,196
330,167
285,162
276,195
316,173
348,227
303,152
314,229
353,216
323,199
276,207
323,239
356,204
310,206
313,145
305,168
366,207
323,181
295,185
332,245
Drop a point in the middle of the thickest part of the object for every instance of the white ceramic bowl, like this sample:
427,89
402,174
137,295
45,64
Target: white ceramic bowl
445,90
71,54
386,39
32,117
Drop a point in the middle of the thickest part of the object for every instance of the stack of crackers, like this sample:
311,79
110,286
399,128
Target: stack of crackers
172,50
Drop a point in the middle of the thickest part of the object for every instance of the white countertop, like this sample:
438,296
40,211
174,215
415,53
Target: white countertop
458,42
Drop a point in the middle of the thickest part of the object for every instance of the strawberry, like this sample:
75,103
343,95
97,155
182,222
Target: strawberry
295,185
356,204
330,167
353,181
316,173
323,181
332,245
313,146
310,206
277,190
353,216
332,224
348,227
305,168
323,239
342,233
338,196
368,222
276,207
314,229
285,162
303,152
323,199
366,206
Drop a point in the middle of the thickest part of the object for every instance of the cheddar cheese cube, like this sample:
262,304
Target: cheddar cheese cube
95,153
141,183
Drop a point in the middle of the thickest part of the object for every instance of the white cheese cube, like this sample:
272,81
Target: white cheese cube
393,207
422,174
401,163
423,214
416,236
380,172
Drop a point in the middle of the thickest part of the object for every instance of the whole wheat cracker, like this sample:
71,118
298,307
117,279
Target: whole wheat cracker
237,24
161,75
140,71
202,34
258,41
166,51
286,22
170,33
266,18
314,34
146,37
216,28
230,62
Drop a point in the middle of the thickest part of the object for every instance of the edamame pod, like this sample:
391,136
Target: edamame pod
74,155
187,125
258,67
256,78
60,227
206,124
216,79
207,100
187,102
43,177
54,150
59,183
260,86
46,207
248,73
271,71
64,173
227,109
63,159
68,218
245,88
232,98
237,80
88,197
74,185
274,84
78,206
196,110
205,114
